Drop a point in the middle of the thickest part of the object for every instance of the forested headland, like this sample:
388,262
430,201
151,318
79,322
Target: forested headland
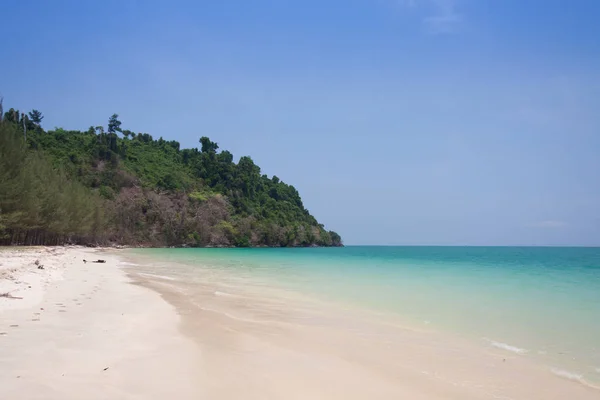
109,185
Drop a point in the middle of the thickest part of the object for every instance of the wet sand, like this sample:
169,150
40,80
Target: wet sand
260,342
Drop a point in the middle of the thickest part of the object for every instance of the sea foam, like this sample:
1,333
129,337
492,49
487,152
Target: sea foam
507,347
572,376
568,375
168,278
217,293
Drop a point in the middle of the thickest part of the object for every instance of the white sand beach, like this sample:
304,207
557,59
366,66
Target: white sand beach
76,330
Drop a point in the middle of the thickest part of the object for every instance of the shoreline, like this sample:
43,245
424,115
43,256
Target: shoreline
320,348
79,330
132,328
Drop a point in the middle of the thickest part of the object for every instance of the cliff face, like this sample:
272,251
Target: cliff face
116,186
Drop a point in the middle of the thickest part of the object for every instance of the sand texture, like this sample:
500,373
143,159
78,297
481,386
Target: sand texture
81,331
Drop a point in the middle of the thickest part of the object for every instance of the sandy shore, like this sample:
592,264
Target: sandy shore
261,341
76,330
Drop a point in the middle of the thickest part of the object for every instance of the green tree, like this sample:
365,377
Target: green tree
208,146
94,186
114,125
36,117
12,115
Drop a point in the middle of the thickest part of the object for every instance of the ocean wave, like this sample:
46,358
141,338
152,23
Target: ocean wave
158,276
129,263
224,313
572,376
563,373
217,293
507,347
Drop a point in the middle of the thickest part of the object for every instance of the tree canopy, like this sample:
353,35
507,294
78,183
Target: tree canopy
36,117
95,186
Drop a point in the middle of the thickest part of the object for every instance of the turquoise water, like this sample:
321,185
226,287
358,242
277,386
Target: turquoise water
542,303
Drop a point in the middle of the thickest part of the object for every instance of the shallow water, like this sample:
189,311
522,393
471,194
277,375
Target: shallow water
537,304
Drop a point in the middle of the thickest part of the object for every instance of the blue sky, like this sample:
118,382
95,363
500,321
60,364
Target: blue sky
399,121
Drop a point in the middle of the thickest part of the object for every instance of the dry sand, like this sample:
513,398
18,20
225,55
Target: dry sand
81,331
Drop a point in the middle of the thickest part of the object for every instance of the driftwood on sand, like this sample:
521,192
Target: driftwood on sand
96,261
7,295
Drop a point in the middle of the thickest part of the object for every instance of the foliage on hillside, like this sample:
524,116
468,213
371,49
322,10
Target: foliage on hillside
116,186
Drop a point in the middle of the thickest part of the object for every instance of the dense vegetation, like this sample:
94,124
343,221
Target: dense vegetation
104,186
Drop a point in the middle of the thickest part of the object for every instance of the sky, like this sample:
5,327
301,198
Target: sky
412,122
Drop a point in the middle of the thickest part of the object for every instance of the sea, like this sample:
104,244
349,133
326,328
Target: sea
538,303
